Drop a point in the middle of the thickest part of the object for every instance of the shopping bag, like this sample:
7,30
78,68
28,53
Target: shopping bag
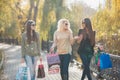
105,61
53,59
97,57
41,72
93,66
23,74
53,63
98,64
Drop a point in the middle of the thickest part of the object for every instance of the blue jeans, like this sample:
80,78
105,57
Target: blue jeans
65,60
31,63
86,58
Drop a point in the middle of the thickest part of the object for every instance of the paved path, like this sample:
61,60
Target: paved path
12,63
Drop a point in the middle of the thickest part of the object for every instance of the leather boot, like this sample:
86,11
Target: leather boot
65,77
61,76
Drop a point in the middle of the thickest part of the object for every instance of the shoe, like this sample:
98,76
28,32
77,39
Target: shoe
33,78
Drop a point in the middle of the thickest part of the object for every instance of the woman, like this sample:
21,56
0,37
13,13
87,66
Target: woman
30,47
63,39
86,38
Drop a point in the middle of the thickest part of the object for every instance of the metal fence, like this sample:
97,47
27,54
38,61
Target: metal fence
9,41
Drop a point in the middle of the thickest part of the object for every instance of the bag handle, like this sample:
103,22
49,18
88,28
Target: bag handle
41,60
51,52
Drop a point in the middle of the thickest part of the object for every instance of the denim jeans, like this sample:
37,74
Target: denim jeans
31,63
65,60
86,58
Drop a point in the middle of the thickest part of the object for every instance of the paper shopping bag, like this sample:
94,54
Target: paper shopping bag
105,61
41,72
23,74
53,63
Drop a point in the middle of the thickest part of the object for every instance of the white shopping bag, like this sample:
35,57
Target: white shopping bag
23,74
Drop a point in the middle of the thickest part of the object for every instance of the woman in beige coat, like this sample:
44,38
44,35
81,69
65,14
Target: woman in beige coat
63,39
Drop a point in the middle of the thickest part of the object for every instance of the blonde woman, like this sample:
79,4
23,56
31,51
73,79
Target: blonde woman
63,39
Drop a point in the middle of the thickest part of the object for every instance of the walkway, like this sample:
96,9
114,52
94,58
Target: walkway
12,63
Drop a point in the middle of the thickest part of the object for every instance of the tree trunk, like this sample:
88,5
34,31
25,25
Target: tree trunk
30,10
59,5
36,10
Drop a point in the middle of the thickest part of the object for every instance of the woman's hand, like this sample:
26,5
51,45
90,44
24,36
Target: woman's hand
51,49
76,37
22,60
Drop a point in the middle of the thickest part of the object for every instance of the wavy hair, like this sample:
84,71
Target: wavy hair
61,23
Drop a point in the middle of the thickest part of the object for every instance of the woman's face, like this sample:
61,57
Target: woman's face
65,25
32,26
83,25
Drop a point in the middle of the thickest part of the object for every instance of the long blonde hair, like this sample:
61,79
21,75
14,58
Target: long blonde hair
61,24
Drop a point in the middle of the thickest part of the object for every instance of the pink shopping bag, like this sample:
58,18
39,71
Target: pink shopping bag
98,64
53,63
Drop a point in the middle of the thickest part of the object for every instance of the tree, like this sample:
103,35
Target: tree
107,23
34,4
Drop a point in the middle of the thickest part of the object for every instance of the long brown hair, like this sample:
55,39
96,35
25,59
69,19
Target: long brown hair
28,30
91,33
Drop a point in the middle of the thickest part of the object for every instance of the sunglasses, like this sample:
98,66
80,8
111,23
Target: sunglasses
66,24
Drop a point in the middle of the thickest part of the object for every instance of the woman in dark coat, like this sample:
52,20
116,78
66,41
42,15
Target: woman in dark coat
86,38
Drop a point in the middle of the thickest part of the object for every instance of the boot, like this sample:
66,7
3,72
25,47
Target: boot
64,77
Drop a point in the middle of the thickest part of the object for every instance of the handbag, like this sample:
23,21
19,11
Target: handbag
41,72
53,61
105,61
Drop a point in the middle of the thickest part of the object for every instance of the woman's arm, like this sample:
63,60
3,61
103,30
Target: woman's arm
54,42
23,46
71,39
79,38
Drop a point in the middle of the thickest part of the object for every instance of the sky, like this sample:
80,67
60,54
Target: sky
91,3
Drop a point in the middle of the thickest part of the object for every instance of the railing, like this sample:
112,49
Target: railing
111,73
108,74
2,60
9,41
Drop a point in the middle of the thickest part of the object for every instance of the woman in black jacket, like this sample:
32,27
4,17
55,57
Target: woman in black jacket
86,38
